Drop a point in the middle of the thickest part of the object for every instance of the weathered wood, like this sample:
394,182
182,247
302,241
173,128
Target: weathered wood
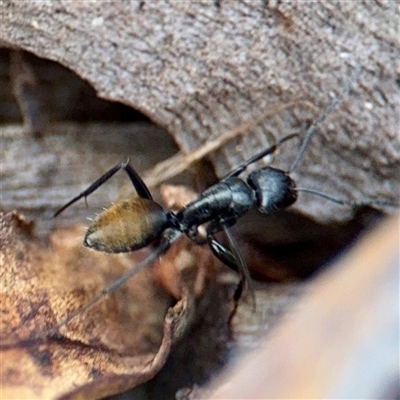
39,176
343,340
198,70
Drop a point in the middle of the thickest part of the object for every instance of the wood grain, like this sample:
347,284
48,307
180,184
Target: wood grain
198,70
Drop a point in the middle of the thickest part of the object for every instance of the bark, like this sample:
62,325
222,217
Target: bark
199,69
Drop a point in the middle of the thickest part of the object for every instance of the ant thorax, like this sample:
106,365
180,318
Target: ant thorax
224,201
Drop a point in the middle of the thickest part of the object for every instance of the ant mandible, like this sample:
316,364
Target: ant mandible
135,222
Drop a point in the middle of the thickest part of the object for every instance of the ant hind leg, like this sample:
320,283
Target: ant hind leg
140,187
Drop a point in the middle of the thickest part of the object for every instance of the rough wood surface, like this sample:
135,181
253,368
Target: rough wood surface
199,69
38,176
343,340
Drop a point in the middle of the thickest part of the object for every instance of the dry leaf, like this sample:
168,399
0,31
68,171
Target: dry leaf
122,341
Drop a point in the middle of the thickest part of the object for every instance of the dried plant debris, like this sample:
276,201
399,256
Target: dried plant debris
122,341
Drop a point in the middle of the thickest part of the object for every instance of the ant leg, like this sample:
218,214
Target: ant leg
222,253
141,189
233,261
238,170
170,237
227,258
231,258
244,271
137,182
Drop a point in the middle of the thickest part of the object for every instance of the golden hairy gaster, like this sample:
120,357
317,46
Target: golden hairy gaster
127,225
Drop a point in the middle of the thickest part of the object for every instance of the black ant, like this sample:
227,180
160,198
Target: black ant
135,222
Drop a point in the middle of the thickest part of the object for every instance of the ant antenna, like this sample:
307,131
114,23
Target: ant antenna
311,130
346,202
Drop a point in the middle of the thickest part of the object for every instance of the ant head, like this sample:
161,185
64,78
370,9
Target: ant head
127,225
274,189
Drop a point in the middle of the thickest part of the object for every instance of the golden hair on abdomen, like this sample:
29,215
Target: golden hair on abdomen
127,225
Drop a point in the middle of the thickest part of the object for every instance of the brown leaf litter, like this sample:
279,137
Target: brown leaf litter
122,341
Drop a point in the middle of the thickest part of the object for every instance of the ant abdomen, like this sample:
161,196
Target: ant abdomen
274,188
127,225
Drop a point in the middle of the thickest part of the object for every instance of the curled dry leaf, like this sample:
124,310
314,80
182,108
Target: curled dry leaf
122,341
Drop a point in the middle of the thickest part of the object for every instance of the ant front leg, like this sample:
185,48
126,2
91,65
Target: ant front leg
240,168
220,251
227,258
140,187
231,259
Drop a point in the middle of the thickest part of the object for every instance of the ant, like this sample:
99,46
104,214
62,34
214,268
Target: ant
135,222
